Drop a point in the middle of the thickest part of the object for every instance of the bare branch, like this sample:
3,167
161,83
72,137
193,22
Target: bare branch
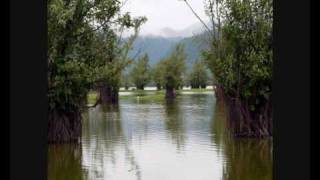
124,3
137,54
121,32
211,13
204,24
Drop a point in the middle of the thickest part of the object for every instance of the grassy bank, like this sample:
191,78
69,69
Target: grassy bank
144,94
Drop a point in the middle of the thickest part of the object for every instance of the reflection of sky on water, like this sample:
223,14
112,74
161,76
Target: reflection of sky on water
164,140
156,140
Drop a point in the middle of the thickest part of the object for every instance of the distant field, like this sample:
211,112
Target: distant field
147,93
154,88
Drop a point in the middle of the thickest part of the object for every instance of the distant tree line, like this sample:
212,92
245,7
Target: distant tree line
169,73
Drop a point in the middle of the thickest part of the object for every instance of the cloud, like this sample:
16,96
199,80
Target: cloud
165,16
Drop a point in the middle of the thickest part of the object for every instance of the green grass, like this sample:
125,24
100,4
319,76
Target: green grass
194,90
143,94
92,97
136,90
151,97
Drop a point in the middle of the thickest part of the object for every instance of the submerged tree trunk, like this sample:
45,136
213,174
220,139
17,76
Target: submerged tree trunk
218,91
170,94
140,87
247,123
64,127
203,86
158,86
244,122
108,94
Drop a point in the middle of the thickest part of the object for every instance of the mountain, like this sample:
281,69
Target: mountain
167,32
158,47
192,48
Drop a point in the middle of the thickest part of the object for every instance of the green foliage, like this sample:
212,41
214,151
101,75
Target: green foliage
198,77
125,80
241,57
159,47
139,73
83,48
174,68
157,74
169,71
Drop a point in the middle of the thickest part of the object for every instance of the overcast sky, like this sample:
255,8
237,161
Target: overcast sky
162,14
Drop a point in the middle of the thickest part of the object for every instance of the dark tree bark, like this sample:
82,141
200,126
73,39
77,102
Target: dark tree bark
244,122
140,87
195,86
170,94
158,86
108,94
218,90
203,86
64,127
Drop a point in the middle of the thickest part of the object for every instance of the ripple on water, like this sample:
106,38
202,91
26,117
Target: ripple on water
155,140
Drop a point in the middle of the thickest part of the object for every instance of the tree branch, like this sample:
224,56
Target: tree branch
204,24
137,54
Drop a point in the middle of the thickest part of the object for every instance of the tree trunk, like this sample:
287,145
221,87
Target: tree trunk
140,87
108,94
218,91
158,87
244,122
64,127
170,94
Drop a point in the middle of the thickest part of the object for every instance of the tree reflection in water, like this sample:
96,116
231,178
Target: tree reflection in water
104,139
174,123
244,158
64,162
179,139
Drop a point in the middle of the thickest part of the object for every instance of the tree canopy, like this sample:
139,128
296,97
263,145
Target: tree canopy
241,56
84,47
198,77
85,50
140,72
241,59
173,68
157,74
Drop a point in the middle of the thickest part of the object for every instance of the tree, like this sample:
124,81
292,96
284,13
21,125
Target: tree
140,72
173,68
125,82
157,74
75,61
115,55
198,76
241,59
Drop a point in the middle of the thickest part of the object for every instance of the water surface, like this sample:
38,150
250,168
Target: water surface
148,139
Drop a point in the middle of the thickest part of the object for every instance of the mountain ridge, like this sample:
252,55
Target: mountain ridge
158,47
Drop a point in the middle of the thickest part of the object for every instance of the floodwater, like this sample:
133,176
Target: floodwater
148,139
